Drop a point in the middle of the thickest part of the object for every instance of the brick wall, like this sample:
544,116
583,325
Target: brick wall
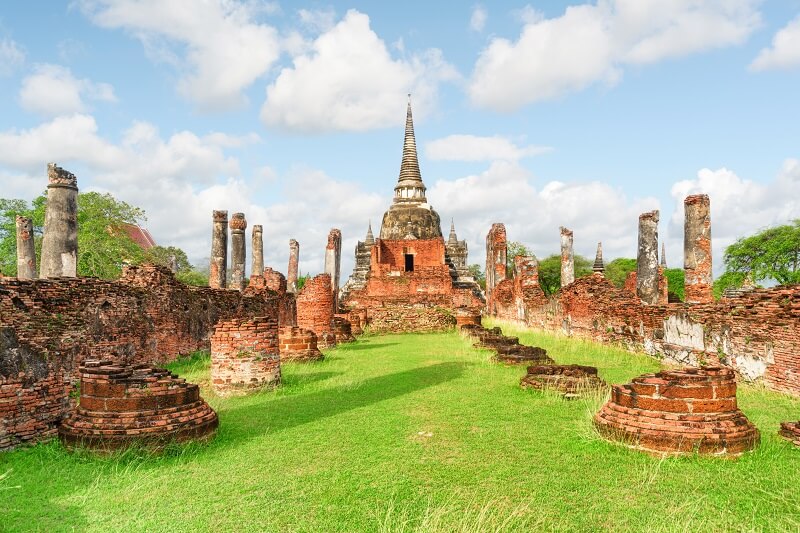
245,355
298,344
757,334
49,327
315,309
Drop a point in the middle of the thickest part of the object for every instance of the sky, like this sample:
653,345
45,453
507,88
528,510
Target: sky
537,115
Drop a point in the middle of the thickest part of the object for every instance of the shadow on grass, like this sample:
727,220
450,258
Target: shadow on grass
247,420
365,346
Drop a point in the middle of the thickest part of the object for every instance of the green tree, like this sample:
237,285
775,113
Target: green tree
676,278
513,249
550,272
9,208
771,254
477,272
726,280
163,255
617,270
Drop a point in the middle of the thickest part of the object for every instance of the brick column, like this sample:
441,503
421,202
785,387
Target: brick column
496,250
26,253
238,250
315,309
647,258
333,258
218,267
697,249
294,260
245,355
567,257
60,242
257,267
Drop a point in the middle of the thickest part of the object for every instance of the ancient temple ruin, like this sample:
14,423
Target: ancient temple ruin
410,278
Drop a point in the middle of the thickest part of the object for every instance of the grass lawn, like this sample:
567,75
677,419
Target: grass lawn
412,433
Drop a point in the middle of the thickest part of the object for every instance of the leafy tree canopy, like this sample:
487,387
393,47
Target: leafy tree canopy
513,249
771,254
550,271
617,270
476,271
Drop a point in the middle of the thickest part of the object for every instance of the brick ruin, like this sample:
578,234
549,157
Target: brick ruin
410,279
496,251
218,267
571,380
60,241
315,309
298,344
245,356
506,349
567,257
697,249
754,332
121,405
257,263
238,250
26,253
333,260
679,411
294,262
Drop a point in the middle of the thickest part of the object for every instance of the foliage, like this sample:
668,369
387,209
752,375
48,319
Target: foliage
513,249
676,278
413,433
771,254
301,280
476,271
193,277
550,271
163,255
728,280
9,208
617,270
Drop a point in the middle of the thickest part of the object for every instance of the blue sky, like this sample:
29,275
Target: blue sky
537,115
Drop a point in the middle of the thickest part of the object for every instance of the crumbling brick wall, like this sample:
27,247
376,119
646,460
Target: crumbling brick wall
49,327
315,309
245,355
756,334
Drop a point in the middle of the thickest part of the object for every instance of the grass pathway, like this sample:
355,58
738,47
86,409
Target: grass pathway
406,433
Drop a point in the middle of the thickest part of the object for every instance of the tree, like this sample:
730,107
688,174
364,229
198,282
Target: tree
676,278
550,272
771,254
513,249
728,280
477,272
617,270
163,255
9,209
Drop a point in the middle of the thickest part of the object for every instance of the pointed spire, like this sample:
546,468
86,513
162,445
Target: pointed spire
409,182
370,239
453,238
598,260
663,255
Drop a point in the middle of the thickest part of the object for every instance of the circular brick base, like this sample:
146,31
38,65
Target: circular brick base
245,356
569,379
679,411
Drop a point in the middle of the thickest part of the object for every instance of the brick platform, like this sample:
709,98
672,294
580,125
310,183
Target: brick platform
135,404
569,379
507,350
679,411
245,356
298,344
342,330
791,431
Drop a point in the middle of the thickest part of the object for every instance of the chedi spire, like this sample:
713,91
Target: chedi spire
410,187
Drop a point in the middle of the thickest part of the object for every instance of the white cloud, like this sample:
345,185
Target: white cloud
739,207
349,81
592,43
506,192
477,20
219,47
11,56
784,52
52,90
475,148
318,20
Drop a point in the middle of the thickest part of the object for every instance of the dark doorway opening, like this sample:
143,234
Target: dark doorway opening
409,262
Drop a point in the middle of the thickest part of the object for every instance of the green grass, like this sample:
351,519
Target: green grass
411,433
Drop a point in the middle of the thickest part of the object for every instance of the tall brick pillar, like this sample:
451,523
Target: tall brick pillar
238,250
315,309
697,248
647,258
567,257
257,268
218,268
26,253
496,251
60,242
333,258
294,260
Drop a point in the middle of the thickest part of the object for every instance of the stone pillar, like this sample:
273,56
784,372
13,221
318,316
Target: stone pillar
60,241
238,250
218,269
647,258
526,271
697,248
567,257
496,250
257,268
26,253
333,258
599,267
294,260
